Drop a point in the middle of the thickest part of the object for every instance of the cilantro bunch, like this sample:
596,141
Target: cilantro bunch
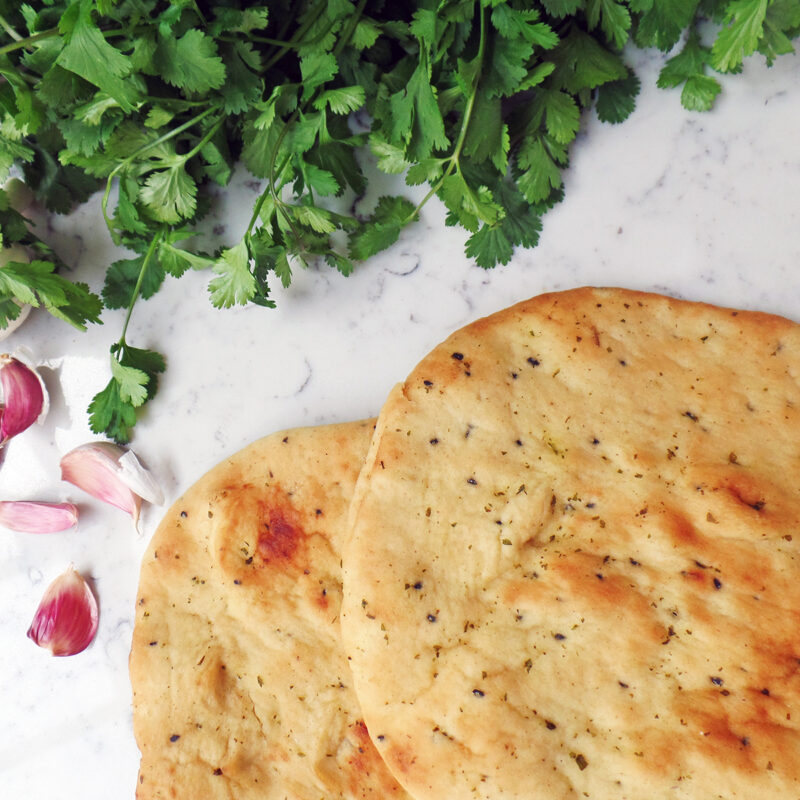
153,103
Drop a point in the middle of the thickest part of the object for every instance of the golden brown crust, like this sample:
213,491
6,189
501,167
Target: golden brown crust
241,686
590,590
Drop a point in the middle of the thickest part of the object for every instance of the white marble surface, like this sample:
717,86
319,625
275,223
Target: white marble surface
703,206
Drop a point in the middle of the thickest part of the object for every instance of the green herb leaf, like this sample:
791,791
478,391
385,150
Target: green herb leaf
234,284
191,62
743,27
89,55
382,229
38,285
170,194
617,99
122,277
489,246
134,381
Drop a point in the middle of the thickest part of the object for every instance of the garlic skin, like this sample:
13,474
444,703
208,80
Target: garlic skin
112,475
31,516
24,397
139,479
65,623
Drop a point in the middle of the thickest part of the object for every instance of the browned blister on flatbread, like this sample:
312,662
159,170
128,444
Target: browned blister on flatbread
573,564
241,686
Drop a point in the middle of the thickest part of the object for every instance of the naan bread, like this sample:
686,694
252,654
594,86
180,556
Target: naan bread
573,564
241,686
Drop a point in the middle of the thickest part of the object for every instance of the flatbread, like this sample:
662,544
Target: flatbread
240,684
573,563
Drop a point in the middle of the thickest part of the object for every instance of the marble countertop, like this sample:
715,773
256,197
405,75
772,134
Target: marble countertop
701,206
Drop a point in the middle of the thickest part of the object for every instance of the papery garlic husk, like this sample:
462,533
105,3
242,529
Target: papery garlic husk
33,516
24,397
108,473
66,620
139,479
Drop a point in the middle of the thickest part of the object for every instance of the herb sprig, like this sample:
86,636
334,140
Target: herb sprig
153,103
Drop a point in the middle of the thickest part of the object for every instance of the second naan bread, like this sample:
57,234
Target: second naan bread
573,570
241,687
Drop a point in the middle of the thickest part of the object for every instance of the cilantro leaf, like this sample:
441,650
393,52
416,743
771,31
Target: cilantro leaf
134,381
562,8
581,62
690,61
109,414
743,26
175,260
320,180
487,135
489,246
416,117
700,92
522,222
391,159
234,284
316,69
613,17
122,277
191,62
617,99
382,229
37,284
341,101
170,194
562,116
688,68
243,87
662,21
512,22
507,65
89,55
538,173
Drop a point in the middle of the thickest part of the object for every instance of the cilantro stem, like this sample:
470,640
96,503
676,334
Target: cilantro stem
284,44
10,29
350,29
205,140
271,189
453,160
21,43
138,287
296,40
28,40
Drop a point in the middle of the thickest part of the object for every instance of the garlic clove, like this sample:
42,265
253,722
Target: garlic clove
30,516
24,397
95,468
65,623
